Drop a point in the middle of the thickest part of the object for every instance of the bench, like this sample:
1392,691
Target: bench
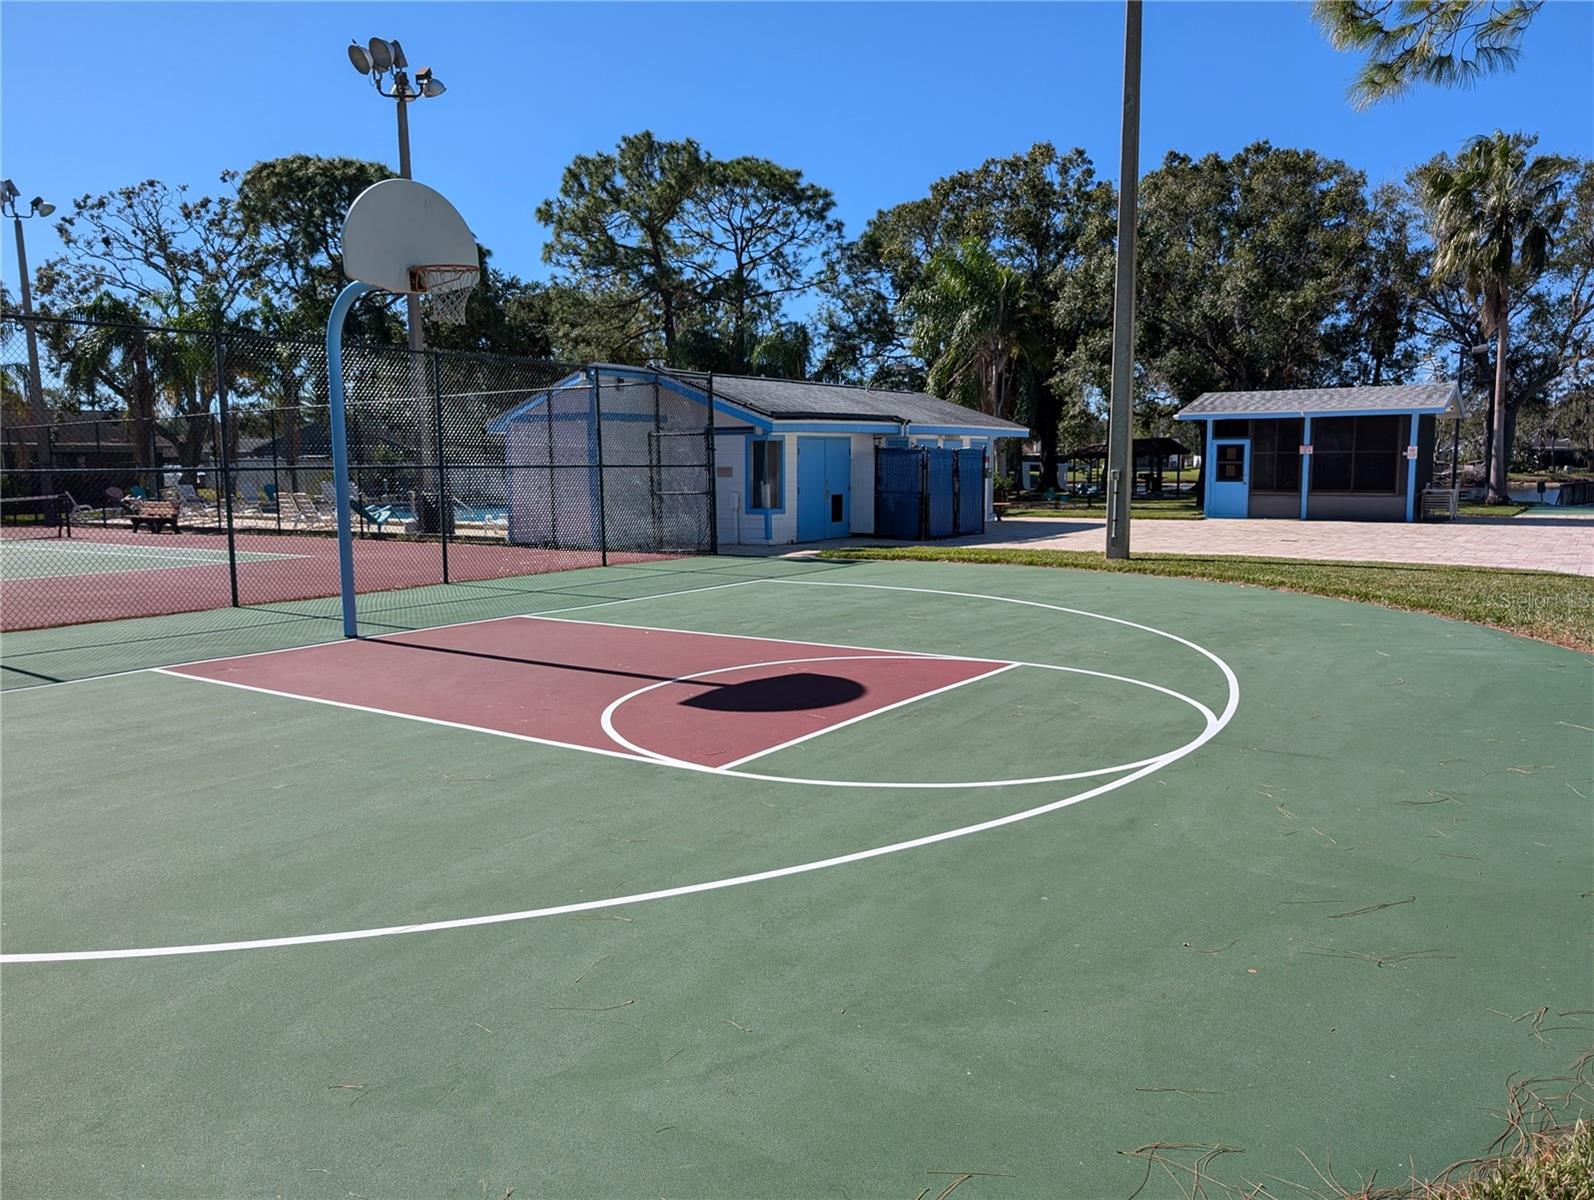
155,513
1439,502
1000,506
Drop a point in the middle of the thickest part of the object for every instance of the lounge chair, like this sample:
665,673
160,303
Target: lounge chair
302,513
195,508
382,516
78,513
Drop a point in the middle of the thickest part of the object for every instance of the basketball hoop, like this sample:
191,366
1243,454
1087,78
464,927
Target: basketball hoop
446,288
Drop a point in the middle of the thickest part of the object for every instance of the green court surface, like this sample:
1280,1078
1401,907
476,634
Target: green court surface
55,558
1358,848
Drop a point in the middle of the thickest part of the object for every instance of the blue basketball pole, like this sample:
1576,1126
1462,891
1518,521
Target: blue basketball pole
340,451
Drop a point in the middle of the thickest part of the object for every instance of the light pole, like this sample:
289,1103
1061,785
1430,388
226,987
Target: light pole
1120,411
37,207
375,60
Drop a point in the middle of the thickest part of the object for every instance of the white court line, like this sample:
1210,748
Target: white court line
174,553
753,637
347,935
200,662
797,741
175,673
607,721
1234,684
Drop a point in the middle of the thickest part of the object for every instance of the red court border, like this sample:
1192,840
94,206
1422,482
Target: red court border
552,680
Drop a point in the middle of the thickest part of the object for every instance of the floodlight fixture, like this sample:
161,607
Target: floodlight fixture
41,207
8,190
432,87
381,55
360,59
399,60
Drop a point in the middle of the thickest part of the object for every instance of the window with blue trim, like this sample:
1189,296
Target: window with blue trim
764,489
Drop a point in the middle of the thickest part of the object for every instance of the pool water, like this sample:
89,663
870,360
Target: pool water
486,515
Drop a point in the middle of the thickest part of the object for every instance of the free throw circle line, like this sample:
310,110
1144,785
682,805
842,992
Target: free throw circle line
712,885
607,721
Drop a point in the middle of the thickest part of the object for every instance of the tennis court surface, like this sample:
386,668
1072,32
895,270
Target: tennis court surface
736,877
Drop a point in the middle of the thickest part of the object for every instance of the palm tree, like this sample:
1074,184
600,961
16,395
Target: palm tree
1494,213
114,353
1451,43
784,351
978,323
16,411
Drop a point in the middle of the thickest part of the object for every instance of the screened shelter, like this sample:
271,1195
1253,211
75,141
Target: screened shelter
1347,454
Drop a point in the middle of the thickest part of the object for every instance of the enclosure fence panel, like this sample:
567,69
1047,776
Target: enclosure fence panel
899,492
928,492
969,487
940,508
183,470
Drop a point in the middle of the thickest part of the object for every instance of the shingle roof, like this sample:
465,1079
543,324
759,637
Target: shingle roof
1409,397
793,399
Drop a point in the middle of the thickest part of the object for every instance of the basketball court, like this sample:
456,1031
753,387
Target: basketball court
703,876
753,877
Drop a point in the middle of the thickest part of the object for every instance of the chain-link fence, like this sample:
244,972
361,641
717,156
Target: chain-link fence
194,471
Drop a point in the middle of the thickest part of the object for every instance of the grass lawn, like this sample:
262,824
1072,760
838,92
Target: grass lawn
1538,604
1491,510
1140,510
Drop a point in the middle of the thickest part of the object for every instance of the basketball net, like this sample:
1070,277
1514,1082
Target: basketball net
445,288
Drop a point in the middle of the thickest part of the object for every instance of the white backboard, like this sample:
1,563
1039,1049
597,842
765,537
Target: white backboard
398,224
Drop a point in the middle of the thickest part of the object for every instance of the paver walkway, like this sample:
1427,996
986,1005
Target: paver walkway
1563,543
1548,543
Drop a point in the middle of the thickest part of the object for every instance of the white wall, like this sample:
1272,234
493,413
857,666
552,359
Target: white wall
737,526
862,483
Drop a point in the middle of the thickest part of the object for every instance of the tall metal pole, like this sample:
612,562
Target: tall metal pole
1120,437
340,452
412,302
36,408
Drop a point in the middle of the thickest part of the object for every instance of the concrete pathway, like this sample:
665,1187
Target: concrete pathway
1562,543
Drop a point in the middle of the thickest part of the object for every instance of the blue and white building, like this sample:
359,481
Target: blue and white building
793,461
1346,454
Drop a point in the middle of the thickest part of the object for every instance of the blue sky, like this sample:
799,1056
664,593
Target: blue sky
872,101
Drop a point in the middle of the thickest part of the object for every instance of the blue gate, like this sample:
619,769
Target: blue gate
970,490
941,505
899,493
925,492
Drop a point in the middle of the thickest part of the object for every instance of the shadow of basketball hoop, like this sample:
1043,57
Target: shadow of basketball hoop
779,693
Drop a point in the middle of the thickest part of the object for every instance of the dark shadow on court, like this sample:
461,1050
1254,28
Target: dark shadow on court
779,693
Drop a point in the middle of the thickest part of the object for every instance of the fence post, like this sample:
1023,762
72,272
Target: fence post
656,471
445,508
597,420
223,413
957,495
276,482
713,475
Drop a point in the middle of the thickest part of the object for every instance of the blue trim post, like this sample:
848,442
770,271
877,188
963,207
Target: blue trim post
1206,474
1411,473
340,450
1306,466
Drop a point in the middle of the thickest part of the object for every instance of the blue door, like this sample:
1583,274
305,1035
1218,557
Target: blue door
824,488
1229,487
